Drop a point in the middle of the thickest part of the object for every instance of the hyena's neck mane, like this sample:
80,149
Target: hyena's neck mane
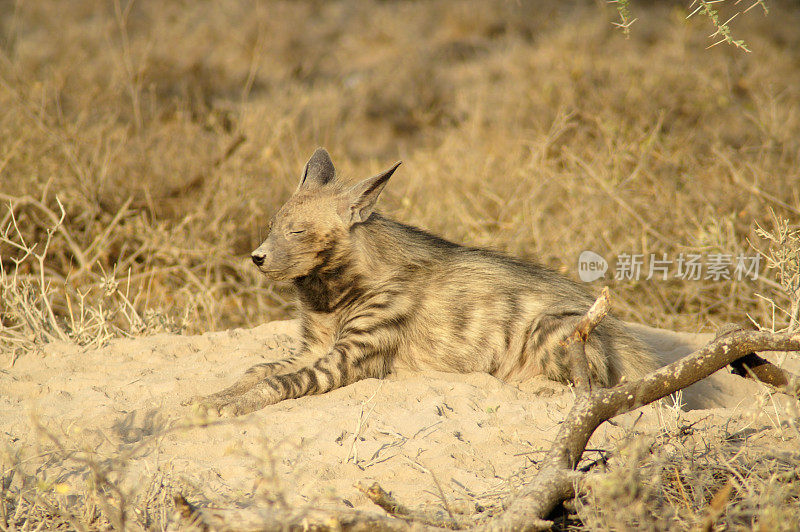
385,247
378,250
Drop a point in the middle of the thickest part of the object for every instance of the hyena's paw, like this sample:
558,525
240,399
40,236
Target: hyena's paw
253,400
208,407
225,405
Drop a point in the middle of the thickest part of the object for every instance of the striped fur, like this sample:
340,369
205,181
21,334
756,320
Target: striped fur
375,294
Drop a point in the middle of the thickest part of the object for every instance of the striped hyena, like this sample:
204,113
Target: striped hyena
376,294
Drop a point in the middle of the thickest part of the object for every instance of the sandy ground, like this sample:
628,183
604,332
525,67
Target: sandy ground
468,438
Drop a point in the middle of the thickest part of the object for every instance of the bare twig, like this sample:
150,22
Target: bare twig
385,500
362,420
752,366
575,343
54,219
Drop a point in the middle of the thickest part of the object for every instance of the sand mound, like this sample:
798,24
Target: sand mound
70,410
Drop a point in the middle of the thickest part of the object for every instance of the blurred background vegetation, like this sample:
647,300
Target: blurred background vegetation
171,131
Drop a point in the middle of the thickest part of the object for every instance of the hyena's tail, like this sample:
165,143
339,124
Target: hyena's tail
719,390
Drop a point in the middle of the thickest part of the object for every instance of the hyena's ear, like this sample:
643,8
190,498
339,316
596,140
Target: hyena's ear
360,199
318,171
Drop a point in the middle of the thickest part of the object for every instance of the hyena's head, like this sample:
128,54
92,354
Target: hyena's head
311,232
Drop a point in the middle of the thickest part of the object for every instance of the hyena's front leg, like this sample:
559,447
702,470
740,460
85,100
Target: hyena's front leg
343,365
251,377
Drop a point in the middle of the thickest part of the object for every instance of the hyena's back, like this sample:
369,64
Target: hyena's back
467,309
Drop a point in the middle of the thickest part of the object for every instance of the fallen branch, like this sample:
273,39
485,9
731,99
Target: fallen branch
575,344
556,479
193,517
382,498
752,366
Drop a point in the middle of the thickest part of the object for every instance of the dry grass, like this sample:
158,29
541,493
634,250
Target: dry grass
170,132
696,476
